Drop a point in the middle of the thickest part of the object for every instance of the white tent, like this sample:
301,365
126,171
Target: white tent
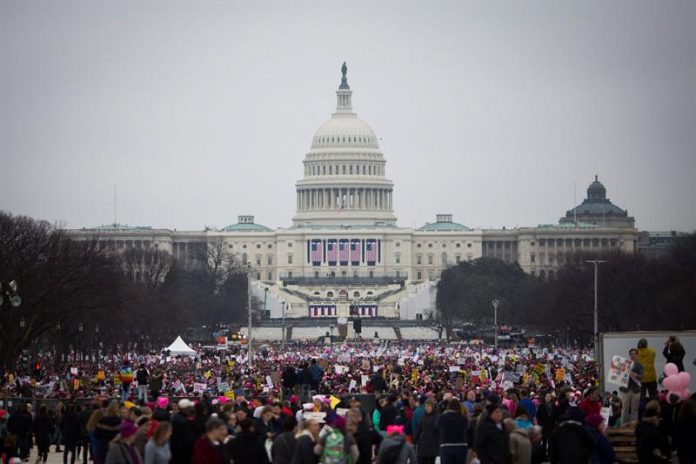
179,347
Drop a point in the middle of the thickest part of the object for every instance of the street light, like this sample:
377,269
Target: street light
9,292
596,263
282,304
250,355
495,303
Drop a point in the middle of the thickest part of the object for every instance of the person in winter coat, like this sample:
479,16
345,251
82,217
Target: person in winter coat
646,357
19,425
184,433
246,446
451,426
157,450
387,412
520,446
284,443
366,437
160,413
590,403
72,433
106,430
427,436
209,448
547,416
685,431
304,447
603,450
651,443
674,352
43,431
570,442
121,449
395,449
492,444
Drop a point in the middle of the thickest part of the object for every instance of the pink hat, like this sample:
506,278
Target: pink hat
128,429
162,402
395,430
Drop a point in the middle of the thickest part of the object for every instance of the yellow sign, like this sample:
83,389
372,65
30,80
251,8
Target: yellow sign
414,375
207,374
560,374
229,394
76,384
101,375
333,402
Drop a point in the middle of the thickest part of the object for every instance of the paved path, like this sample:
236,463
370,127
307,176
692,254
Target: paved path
53,458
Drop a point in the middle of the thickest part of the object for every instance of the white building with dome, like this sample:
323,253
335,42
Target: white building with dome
345,249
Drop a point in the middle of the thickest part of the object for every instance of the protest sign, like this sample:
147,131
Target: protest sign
619,371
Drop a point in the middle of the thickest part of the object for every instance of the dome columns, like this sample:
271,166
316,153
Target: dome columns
348,198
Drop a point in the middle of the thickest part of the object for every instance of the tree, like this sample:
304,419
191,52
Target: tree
59,280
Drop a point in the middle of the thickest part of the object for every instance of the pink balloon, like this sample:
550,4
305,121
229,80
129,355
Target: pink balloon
671,383
684,394
671,369
685,379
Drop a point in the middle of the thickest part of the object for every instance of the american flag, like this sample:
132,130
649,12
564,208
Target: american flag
371,251
316,252
331,252
355,252
343,251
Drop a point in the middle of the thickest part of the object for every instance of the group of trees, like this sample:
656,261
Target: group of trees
82,295
636,292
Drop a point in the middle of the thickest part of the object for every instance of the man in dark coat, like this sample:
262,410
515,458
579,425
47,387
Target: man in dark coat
570,442
284,443
19,424
387,412
184,433
492,444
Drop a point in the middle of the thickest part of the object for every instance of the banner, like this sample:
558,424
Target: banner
619,370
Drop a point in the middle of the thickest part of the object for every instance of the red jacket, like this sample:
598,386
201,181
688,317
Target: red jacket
590,407
204,452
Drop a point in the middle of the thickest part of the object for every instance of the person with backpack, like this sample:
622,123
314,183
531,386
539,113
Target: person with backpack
336,446
395,449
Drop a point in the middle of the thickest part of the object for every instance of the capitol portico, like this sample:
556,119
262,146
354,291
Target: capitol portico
345,249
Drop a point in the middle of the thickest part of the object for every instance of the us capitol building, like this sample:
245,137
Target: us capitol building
345,250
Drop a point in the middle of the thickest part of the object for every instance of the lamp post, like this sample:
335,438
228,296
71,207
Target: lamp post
282,343
250,355
495,303
80,328
596,263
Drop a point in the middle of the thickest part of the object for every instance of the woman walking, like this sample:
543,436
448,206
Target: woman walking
43,431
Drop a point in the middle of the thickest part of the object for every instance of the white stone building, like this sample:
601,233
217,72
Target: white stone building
345,249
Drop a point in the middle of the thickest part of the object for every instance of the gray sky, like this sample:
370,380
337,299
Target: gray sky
488,110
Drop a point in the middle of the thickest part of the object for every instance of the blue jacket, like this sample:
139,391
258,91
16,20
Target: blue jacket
416,420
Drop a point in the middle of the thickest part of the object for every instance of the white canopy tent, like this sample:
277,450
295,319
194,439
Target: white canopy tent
179,347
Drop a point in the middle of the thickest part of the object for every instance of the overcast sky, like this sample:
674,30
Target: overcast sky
202,111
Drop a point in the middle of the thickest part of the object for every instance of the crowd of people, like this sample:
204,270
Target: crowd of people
345,403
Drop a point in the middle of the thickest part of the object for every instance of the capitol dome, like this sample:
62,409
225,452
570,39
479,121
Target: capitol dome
345,131
344,181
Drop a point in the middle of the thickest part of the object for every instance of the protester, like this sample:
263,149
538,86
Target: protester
284,443
651,443
492,445
427,437
646,358
209,448
451,428
674,352
570,442
157,450
631,394
394,448
43,431
304,447
184,433
72,433
121,449
603,451
685,431
520,446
